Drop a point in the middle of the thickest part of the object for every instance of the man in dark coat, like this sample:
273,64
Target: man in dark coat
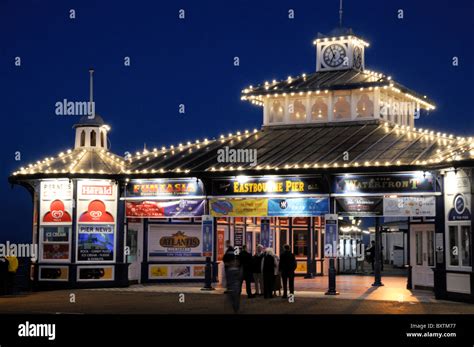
287,269
268,270
246,264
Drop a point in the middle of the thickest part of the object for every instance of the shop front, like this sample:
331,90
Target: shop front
273,211
164,229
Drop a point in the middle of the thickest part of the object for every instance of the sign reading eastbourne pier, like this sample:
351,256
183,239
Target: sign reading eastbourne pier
405,183
241,186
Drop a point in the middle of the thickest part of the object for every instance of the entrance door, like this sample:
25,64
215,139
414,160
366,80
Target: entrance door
135,247
422,255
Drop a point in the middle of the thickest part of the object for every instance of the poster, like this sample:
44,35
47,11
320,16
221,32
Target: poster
96,220
183,241
220,244
266,235
457,197
298,207
238,236
207,236
155,209
238,207
56,202
95,242
54,273
331,236
176,271
360,206
55,251
409,206
95,273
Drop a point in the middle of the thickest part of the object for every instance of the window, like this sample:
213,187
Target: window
55,243
466,245
460,245
93,138
342,108
430,237
453,246
297,111
365,107
102,143
300,242
276,112
419,248
83,138
319,111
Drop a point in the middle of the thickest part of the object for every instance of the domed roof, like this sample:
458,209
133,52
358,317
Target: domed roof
87,121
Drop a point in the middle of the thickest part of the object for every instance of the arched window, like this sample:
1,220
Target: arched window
365,107
319,111
342,108
83,138
102,139
93,138
297,111
276,112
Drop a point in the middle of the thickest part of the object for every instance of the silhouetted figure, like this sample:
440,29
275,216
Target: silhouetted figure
247,271
287,269
268,270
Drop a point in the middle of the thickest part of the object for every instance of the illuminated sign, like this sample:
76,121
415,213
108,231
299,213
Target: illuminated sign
384,184
164,188
268,185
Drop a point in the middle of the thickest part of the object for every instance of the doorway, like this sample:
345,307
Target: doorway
135,250
422,255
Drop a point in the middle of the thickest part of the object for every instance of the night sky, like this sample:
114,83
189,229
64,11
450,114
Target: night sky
190,62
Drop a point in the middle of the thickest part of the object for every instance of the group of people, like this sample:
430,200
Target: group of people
8,268
264,268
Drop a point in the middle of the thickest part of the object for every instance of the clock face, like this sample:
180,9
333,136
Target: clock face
334,55
357,57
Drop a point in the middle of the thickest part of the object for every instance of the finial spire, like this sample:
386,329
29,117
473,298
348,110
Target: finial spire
340,13
91,97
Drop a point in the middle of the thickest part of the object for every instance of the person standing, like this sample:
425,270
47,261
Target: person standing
268,271
232,274
371,254
287,269
257,270
360,257
246,264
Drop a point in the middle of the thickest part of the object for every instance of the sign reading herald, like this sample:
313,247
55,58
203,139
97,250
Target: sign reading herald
268,185
384,184
164,188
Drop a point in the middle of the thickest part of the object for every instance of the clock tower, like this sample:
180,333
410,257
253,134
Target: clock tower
341,50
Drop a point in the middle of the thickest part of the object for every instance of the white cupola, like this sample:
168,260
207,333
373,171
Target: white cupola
91,131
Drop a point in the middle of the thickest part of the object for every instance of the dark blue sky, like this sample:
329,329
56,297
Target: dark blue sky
191,62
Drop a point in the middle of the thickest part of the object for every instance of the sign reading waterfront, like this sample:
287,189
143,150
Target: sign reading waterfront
391,183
